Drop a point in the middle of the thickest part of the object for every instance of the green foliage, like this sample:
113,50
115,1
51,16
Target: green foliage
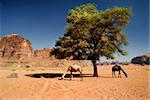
91,33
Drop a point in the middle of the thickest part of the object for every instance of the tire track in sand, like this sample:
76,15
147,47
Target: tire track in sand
44,89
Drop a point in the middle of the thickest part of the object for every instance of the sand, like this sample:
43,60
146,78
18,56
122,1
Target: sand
24,87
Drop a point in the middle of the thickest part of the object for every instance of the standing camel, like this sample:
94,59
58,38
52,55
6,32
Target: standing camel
118,68
71,69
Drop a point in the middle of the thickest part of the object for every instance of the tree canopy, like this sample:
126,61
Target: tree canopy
91,33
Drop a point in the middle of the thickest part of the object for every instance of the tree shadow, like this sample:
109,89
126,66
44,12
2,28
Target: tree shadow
56,75
59,75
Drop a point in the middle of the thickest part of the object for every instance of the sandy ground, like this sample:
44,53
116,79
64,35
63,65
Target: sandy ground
135,87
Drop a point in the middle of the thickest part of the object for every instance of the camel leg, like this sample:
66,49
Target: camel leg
63,75
81,75
119,75
71,76
112,74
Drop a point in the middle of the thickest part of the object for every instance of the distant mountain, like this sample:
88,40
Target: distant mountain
15,46
144,59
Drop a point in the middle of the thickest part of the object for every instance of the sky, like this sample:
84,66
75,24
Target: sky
43,21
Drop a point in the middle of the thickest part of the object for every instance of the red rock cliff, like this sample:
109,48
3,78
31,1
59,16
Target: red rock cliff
15,46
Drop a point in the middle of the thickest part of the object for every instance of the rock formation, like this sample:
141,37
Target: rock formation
44,53
15,46
144,59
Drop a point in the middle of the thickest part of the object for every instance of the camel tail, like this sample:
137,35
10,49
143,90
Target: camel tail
124,73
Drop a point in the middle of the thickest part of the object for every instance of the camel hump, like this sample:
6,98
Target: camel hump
116,67
76,67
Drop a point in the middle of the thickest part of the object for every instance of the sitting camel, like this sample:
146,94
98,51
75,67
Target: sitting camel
73,68
118,68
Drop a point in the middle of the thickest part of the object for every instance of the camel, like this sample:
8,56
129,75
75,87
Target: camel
118,68
71,69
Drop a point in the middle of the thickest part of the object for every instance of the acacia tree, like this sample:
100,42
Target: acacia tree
92,33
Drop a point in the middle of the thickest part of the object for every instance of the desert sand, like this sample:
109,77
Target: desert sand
48,87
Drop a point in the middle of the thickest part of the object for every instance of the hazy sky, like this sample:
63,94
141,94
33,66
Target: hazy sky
43,21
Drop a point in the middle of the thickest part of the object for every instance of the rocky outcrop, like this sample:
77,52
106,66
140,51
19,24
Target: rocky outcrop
15,46
44,53
144,59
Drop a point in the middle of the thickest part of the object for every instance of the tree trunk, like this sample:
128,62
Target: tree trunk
95,68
